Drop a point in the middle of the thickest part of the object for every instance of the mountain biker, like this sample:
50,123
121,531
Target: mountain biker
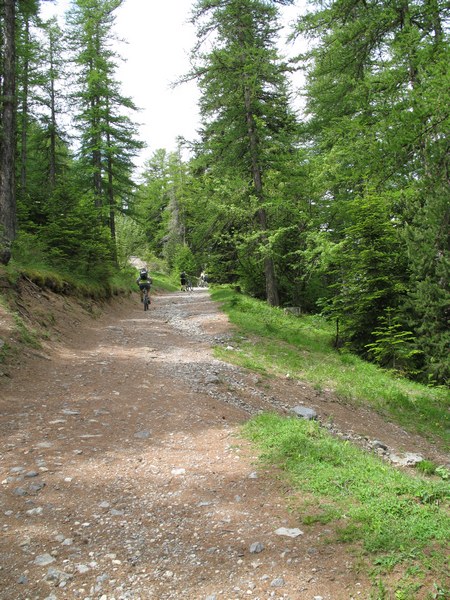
183,281
144,282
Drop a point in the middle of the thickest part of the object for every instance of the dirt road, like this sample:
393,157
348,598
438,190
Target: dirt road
123,475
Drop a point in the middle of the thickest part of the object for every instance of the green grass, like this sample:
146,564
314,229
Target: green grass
390,518
272,342
28,336
164,282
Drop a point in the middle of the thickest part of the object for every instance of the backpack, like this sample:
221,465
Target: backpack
143,274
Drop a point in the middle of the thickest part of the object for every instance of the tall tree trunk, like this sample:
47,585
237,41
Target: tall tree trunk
111,202
52,158
269,267
8,134
24,116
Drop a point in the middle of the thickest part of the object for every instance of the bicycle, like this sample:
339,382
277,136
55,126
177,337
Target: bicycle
146,299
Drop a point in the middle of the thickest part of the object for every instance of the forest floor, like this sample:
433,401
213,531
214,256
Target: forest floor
123,474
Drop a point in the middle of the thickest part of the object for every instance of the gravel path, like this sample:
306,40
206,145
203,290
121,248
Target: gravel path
124,477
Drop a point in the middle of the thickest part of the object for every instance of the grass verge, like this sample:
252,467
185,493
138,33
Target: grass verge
164,282
272,342
394,521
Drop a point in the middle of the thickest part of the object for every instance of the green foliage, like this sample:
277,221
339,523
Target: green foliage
130,239
79,241
394,348
184,260
163,281
73,240
369,271
107,137
248,126
428,298
152,199
377,85
30,250
443,473
427,467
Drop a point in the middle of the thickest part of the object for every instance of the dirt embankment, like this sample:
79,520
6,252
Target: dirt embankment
123,475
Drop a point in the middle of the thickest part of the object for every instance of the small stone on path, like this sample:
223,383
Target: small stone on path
256,548
43,560
293,533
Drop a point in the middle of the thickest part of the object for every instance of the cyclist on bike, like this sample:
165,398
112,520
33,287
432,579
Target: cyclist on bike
183,281
144,282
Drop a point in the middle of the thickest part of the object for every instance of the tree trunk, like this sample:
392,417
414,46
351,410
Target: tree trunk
269,267
24,116
8,134
52,165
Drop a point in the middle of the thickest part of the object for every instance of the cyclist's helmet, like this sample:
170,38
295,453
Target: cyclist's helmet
143,274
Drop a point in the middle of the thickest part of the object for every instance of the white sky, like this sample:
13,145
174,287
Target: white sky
159,41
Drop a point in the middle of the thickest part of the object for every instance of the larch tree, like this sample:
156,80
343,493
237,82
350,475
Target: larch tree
31,185
377,100
108,139
246,118
54,99
16,54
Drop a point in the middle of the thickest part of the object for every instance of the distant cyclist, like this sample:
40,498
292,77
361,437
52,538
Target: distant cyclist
183,281
144,282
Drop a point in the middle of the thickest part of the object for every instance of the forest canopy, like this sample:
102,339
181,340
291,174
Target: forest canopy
340,208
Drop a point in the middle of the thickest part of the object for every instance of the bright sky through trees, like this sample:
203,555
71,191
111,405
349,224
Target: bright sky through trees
159,39
156,54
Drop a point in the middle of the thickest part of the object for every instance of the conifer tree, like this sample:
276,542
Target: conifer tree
54,101
108,140
246,119
29,80
378,95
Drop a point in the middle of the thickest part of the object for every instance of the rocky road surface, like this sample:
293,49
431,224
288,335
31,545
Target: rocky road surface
123,475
